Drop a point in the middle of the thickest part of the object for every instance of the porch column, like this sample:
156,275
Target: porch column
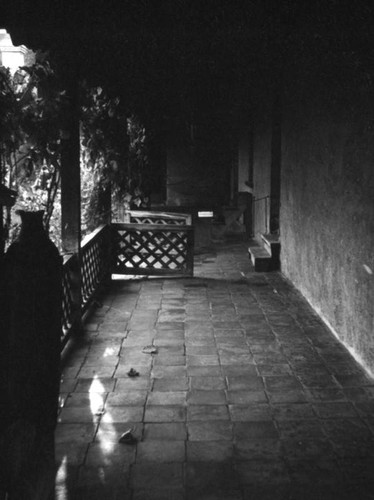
71,189
105,204
245,177
276,158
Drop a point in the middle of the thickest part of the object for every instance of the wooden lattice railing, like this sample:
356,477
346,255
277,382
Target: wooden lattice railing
152,249
95,262
95,268
151,244
147,217
68,307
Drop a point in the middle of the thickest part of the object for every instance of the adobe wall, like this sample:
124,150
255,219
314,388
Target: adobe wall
327,207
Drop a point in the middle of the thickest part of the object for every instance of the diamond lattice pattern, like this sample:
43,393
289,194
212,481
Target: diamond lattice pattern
151,249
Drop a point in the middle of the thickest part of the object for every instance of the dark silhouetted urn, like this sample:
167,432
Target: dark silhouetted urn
30,349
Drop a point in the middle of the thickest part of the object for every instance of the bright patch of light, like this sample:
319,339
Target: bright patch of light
96,398
109,351
12,57
96,392
61,491
96,402
367,269
96,386
101,474
107,419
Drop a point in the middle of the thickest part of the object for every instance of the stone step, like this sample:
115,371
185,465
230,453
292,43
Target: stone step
272,244
264,253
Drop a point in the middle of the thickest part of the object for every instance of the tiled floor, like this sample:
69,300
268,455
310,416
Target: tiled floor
248,397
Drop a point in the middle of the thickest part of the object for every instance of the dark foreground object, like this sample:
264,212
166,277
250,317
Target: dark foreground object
30,362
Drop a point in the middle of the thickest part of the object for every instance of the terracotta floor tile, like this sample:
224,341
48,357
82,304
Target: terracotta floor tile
75,433
248,397
120,414
136,397
165,431
161,451
207,383
157,476
209,451
206,397
111,432
173,398
170,384
163,413
210,431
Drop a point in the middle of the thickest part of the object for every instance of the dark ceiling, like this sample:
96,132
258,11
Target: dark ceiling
165,51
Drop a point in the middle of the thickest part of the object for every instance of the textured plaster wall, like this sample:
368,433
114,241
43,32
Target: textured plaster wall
327,210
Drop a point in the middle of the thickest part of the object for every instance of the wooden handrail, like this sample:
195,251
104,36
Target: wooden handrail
148,243
94,268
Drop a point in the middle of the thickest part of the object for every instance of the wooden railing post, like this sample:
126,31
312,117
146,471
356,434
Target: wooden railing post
71,190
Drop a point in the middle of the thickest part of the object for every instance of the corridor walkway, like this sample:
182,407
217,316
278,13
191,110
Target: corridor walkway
249,396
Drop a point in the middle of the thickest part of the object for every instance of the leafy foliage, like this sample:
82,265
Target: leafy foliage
114,158
113,149
30,105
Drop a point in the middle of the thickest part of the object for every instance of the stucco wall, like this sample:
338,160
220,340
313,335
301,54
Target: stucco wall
327,210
